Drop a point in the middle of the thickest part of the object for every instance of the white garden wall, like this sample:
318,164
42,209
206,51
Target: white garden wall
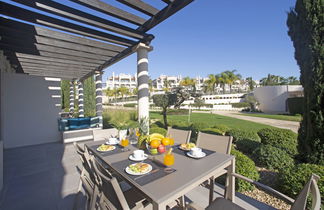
30,108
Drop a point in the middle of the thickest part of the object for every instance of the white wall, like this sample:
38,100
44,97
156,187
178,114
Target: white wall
272,99
4,67
29,110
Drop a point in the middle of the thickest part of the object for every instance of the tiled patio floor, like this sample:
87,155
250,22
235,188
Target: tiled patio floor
46,177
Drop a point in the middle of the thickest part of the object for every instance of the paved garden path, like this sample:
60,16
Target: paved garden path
275,123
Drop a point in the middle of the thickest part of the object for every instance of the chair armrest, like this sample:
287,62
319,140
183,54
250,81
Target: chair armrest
265,188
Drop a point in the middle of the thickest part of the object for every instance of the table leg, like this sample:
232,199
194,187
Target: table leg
230,182
182,203
211,189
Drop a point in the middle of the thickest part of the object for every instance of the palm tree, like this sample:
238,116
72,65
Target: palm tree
109,92
250,82
123,91
188,82
167,85
232,78
212,82
223,79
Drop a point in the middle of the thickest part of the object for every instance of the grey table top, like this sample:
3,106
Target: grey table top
188,172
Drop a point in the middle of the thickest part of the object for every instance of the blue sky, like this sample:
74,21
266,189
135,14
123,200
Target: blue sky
210,36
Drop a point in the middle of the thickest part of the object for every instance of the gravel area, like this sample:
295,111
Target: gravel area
268,178
268,199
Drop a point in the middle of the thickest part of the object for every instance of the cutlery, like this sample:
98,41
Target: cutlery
151,172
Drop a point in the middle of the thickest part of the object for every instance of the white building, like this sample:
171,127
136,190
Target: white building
273,99
163,80
219,99
120,80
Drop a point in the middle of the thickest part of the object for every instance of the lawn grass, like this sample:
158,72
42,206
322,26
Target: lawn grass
296,118
214,119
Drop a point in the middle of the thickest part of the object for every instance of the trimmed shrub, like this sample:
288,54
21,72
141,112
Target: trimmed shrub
183,125
130,105
295,105
292,180
240,105
222,128
281,138
272,157
246,167
247,146
178,112
158,130
239,134
214,131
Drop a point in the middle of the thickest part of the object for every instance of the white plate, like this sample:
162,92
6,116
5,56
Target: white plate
133,173
134,159
113,147
201,156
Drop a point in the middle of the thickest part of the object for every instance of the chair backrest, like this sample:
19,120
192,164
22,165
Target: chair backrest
83,154
111,194
312,188
179,136
220,144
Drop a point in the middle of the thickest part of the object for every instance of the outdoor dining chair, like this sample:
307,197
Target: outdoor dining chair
300,203
217,143
87,178
111,195
179,136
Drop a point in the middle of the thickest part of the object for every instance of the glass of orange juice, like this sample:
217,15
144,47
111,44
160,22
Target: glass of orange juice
168,158
124,143
171,141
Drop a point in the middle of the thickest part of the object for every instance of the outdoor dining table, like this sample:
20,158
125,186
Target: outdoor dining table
188,173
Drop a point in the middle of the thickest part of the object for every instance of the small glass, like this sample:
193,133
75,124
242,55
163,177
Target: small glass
132,136
168,159
124,143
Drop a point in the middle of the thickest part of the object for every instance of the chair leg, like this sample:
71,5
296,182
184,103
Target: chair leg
93,198
211,189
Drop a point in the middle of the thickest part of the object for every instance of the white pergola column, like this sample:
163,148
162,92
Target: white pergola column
80,100
142,81
71,96
98,81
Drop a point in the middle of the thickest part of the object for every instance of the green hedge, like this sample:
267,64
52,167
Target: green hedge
292,180
221,127
240,105
282,138
214,131
295,105
239,134
177,112
272,157
246,167
247,146
158,130
130,105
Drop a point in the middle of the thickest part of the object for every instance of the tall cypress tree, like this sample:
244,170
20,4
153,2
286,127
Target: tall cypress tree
306,30
89,94
65,95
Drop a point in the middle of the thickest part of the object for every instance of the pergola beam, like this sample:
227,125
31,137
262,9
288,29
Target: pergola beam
26,60
54,68
140,6
27,15
165,13
74,14
111,10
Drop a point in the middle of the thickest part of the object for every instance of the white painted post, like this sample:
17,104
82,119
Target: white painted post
142,81
71,96
98,80
80,100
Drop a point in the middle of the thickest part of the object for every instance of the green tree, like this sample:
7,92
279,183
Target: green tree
164,101
199,102
212,82
249,98
188,82
251,83
89,97
223,80
232,78
65,95
123,91
306,29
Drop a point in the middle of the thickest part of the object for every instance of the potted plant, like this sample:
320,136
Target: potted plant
121,121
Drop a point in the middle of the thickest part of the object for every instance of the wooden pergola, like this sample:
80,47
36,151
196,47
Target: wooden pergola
43,45
81,38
